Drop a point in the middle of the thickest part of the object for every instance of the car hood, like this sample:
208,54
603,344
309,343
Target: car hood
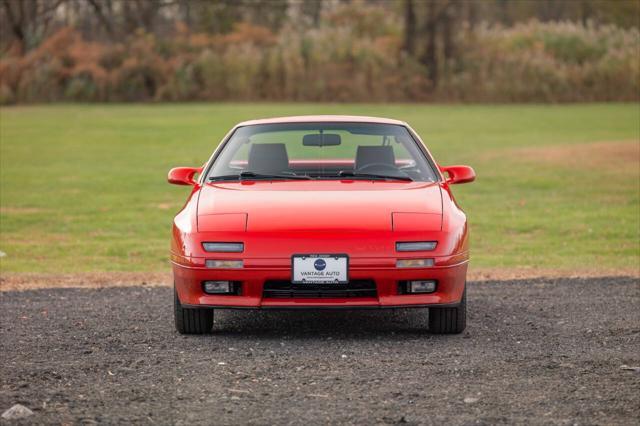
316,205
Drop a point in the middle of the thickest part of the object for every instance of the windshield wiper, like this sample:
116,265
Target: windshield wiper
349,173
254,175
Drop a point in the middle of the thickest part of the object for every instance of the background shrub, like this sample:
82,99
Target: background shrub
358,55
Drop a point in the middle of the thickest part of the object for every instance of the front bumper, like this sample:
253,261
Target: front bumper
450,287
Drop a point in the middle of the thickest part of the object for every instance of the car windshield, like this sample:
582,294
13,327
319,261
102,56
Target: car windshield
322,151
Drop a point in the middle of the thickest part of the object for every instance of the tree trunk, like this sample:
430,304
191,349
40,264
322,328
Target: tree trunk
472,15
409,27
448,21
430,56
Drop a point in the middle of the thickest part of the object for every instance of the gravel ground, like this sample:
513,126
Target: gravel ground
535,351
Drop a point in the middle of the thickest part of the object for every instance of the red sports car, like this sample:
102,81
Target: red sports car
320,212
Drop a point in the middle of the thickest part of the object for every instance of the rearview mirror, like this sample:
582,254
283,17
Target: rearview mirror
321,139
458,174
183,175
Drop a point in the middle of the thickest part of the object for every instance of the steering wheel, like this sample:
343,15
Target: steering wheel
386,166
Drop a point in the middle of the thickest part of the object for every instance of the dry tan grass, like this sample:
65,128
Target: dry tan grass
608,155
30,281
503,274
21,210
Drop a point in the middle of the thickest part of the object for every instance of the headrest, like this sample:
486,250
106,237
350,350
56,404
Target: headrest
366,155
268,158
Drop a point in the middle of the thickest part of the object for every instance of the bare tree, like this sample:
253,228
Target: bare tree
29,19
103,10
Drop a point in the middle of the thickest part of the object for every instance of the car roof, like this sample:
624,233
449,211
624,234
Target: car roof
323,119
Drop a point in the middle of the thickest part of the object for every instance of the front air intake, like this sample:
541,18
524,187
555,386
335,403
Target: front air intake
282,289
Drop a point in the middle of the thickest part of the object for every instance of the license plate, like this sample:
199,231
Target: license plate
320,269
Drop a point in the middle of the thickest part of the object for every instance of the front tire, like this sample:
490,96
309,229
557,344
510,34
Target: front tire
449,320
191,320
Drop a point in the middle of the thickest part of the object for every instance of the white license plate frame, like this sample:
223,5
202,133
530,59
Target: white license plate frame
335,270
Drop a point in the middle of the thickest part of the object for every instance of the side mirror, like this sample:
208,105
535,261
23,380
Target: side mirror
458,174
183,175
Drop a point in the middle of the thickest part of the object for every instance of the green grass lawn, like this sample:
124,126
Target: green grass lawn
83,188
